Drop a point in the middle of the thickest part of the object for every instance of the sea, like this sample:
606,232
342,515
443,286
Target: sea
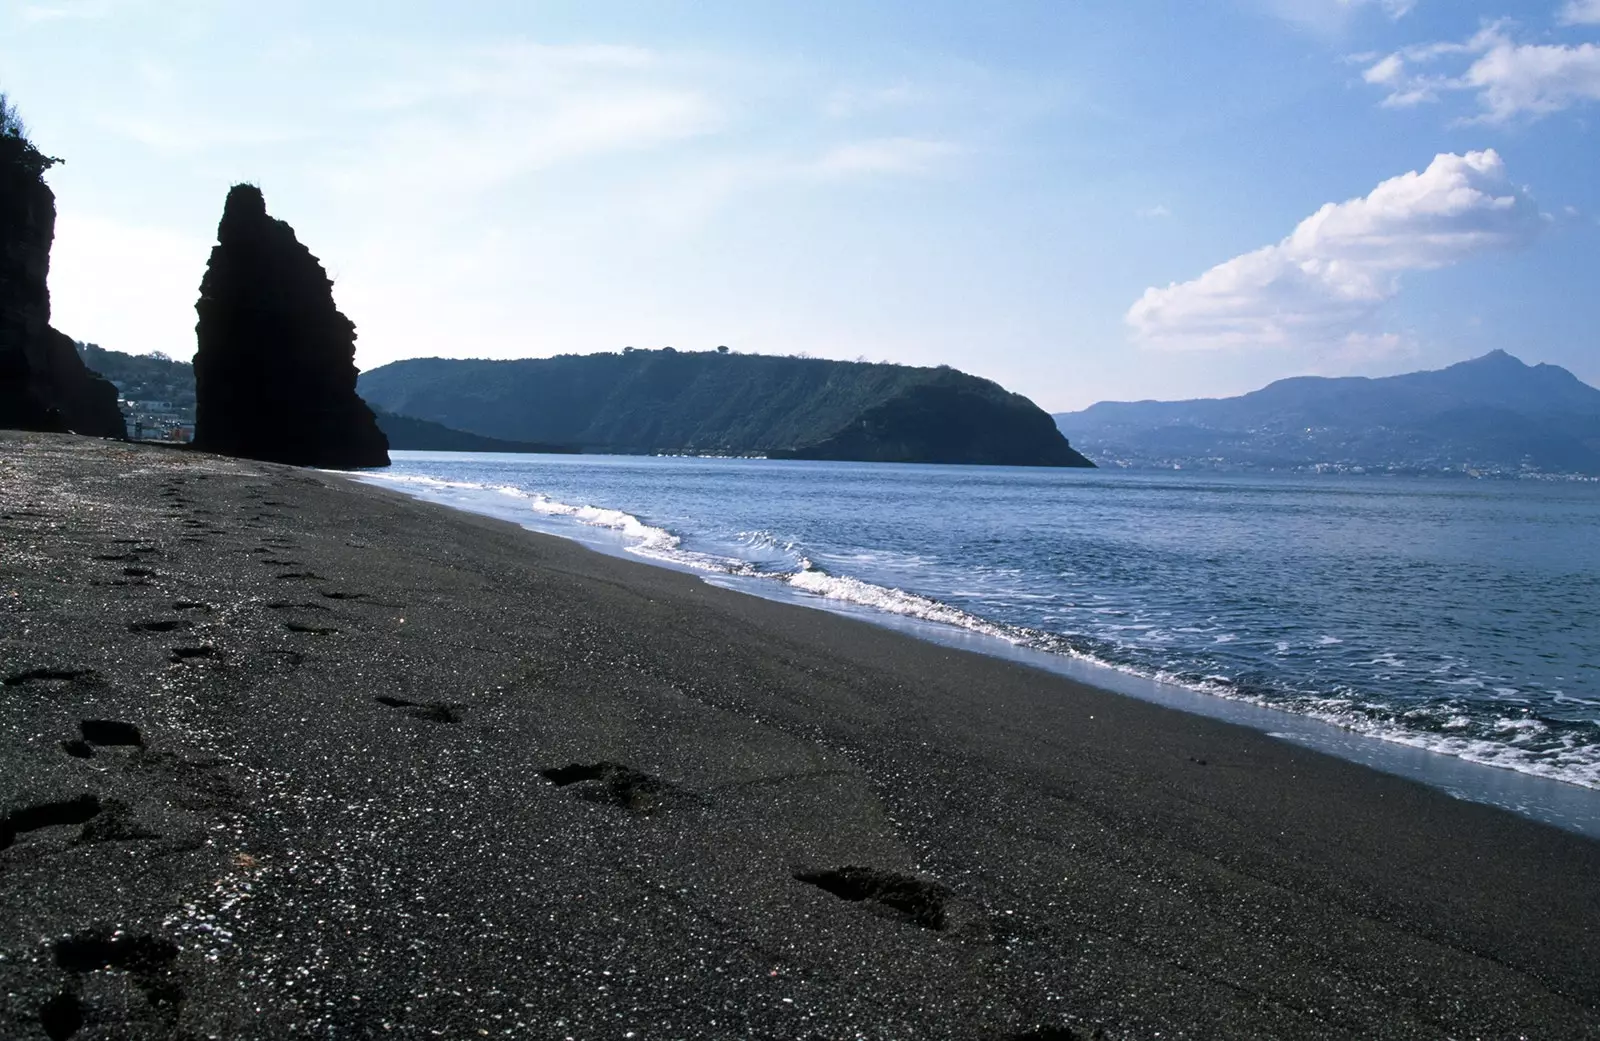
1446,629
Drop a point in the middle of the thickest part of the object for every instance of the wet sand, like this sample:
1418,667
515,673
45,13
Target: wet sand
285,754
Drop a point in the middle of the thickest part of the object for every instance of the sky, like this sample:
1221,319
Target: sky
1101,199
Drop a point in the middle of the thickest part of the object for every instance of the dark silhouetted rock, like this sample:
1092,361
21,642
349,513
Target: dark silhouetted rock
275,374
87,400
44,385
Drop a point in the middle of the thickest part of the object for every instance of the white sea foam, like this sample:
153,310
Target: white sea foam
892,601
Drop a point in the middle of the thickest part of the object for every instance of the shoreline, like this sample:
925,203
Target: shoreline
359,805
1550,800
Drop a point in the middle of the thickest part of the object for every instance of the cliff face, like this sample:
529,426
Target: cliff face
275,374
44,385
947,424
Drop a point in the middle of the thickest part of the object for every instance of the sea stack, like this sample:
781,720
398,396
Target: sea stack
44,384
275,374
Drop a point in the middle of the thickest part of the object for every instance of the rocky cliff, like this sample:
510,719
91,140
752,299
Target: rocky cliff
44,385
949,424
275,374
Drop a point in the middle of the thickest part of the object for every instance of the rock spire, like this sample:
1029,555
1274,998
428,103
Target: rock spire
275,374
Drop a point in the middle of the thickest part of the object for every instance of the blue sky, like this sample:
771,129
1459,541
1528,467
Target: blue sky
1082,200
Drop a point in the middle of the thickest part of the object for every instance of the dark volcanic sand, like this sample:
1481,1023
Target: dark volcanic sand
285,755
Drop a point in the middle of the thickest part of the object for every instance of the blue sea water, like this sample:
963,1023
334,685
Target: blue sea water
1457,616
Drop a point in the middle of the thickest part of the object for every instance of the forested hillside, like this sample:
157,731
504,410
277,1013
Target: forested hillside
737,404
143,377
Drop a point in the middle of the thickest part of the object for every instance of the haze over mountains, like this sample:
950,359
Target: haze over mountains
1492,414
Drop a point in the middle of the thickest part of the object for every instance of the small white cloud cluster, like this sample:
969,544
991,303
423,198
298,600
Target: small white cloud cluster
1325,282
1510,79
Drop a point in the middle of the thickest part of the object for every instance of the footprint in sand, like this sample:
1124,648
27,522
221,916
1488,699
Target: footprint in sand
432,711
906,897
160,625
183,654
614,784
57,813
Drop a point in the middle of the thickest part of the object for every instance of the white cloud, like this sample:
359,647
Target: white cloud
1510,79
1155,212
1580,12
1535,79
1326,282
1386,72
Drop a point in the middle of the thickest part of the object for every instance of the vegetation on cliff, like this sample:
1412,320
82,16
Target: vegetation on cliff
406,434
715,402
144,377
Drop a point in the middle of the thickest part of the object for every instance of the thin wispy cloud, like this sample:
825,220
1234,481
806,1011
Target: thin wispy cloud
1334,15
847,102
891,155
1580,12
483,117
504,70
1327,281
1508,79
66,10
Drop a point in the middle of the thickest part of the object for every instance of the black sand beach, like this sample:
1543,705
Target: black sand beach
288,755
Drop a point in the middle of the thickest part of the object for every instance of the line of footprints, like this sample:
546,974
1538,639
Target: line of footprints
150,961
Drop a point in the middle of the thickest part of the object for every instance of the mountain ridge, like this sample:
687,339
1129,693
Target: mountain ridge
1492,413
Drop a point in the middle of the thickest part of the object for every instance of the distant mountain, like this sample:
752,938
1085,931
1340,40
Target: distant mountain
714,402
1492,414
419,435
